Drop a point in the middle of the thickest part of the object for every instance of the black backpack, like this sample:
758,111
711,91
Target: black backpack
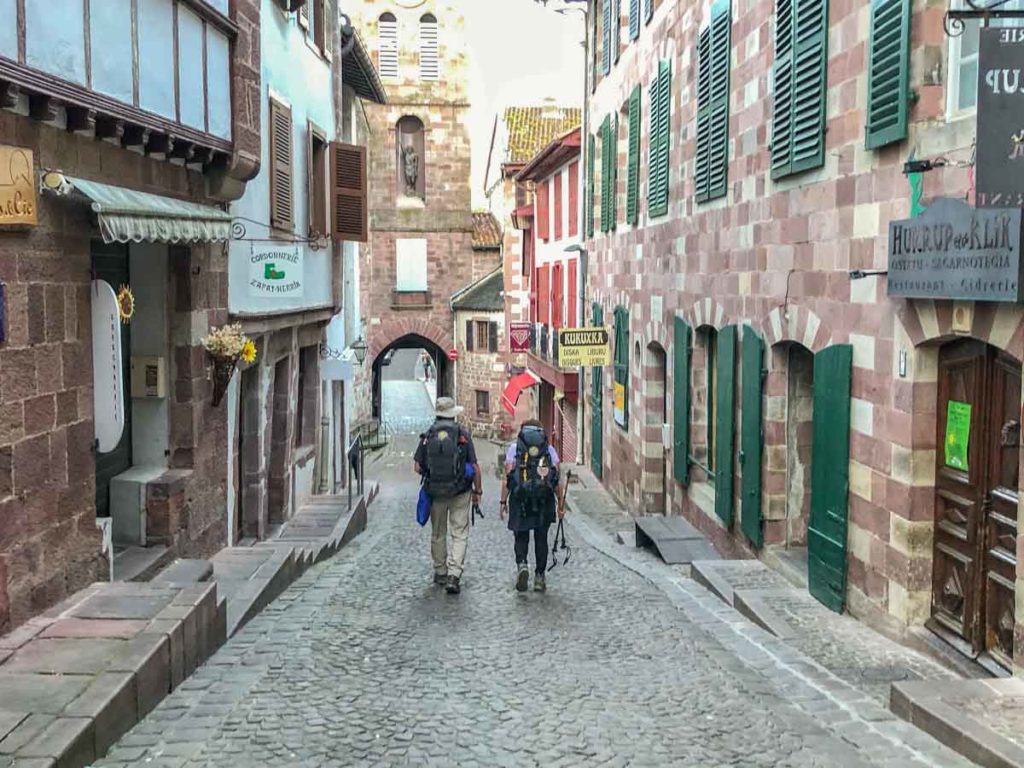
444,460
534,479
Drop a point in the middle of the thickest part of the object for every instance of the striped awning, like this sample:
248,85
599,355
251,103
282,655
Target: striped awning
128,216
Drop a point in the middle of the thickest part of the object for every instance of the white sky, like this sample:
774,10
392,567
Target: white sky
519,54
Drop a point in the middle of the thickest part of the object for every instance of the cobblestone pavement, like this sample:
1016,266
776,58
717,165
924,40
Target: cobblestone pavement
363,662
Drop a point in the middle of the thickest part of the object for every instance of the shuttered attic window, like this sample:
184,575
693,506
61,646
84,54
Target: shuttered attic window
888,73
282,204
429,67
387,45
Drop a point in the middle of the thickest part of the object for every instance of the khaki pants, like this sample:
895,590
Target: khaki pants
450,515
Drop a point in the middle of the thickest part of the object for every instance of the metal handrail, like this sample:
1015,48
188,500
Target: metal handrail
356,464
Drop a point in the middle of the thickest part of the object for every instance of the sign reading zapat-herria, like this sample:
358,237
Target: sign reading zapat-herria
275,271
582,347
954,251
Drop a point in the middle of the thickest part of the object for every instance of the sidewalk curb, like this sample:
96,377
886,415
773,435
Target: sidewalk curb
835,704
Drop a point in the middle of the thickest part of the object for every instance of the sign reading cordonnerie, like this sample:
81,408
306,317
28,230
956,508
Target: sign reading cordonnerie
582,347
1000,145
954,251
275,271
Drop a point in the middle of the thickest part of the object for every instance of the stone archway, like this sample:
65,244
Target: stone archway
796,324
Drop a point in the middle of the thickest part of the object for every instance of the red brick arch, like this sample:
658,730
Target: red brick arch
391,330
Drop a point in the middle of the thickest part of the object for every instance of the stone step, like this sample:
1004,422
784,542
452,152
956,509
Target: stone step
139,563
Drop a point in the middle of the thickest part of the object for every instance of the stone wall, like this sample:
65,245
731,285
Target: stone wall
49,543
776,256
481,370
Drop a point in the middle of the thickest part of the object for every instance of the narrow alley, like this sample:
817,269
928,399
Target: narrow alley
365,662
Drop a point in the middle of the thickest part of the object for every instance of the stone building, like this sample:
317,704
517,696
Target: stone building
106,427
479,322
746,167
421,223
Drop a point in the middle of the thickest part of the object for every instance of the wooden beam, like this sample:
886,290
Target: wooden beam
42,107
159,144
183,150
9,93
81,119
109,128
135,136
201,155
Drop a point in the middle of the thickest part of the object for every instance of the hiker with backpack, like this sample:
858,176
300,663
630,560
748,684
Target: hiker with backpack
530,499
443,458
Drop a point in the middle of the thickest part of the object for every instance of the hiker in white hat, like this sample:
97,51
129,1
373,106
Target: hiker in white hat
443,458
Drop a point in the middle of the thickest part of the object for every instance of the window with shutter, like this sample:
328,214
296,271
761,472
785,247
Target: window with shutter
800,72
482,335
543,217
606,174
282,203
429,65
557,195
469,335
574,199
543,295
571,297
387,45
606,36
888,73
621,364
634,19
633,167
319,19
616,30
304,16
492,337
660,140
613,162
348,192
713,50
556,296
316,174
591,159
648,11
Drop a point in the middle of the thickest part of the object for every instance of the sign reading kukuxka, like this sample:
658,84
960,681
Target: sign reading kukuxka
582,347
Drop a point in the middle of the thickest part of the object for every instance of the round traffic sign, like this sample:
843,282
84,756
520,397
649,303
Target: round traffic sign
453,355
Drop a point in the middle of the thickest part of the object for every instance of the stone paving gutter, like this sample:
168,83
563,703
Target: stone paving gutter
76,678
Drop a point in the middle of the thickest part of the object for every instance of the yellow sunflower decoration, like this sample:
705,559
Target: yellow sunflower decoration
248,351
125,303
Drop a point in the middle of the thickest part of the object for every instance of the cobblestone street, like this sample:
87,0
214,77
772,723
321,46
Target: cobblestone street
363,661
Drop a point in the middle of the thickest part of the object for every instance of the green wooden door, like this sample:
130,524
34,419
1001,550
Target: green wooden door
725,423
751,437
830,476
681,401
596,421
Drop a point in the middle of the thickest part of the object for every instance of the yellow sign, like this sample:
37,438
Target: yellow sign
17,192
583,347
619,411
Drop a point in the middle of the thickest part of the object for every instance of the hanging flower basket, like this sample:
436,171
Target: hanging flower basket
226,346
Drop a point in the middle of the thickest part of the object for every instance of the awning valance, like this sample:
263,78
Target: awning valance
514,388
129,216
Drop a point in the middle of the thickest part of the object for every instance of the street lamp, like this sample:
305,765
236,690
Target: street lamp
358,348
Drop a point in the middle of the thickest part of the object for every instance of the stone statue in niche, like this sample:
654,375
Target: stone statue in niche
410,168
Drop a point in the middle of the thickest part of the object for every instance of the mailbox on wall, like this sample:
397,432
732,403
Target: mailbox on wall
148,379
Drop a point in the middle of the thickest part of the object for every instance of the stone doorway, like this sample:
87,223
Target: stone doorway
408,375
278,476
655,455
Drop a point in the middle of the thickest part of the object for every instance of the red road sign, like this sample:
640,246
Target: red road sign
453,355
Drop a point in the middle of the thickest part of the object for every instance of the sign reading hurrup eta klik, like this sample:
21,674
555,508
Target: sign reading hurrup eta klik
275,271
954,251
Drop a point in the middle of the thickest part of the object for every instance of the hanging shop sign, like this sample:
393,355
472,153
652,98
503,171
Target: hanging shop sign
519,336
583,347
999,176
275,271
17,192
107,366
958,433
954,251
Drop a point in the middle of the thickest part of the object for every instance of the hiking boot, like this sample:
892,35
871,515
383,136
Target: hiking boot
539,585
522,578
440,579
452,587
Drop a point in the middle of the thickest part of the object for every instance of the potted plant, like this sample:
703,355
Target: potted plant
226,346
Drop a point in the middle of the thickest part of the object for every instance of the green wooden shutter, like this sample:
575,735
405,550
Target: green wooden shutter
606,174
596,404
801,61
648,10
614,164
661,101
634,19
622,360
725,423
703,150
606,36
751,436
718,163
888,73
652,147
591,157
830,476
681,401
616,30
633,168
